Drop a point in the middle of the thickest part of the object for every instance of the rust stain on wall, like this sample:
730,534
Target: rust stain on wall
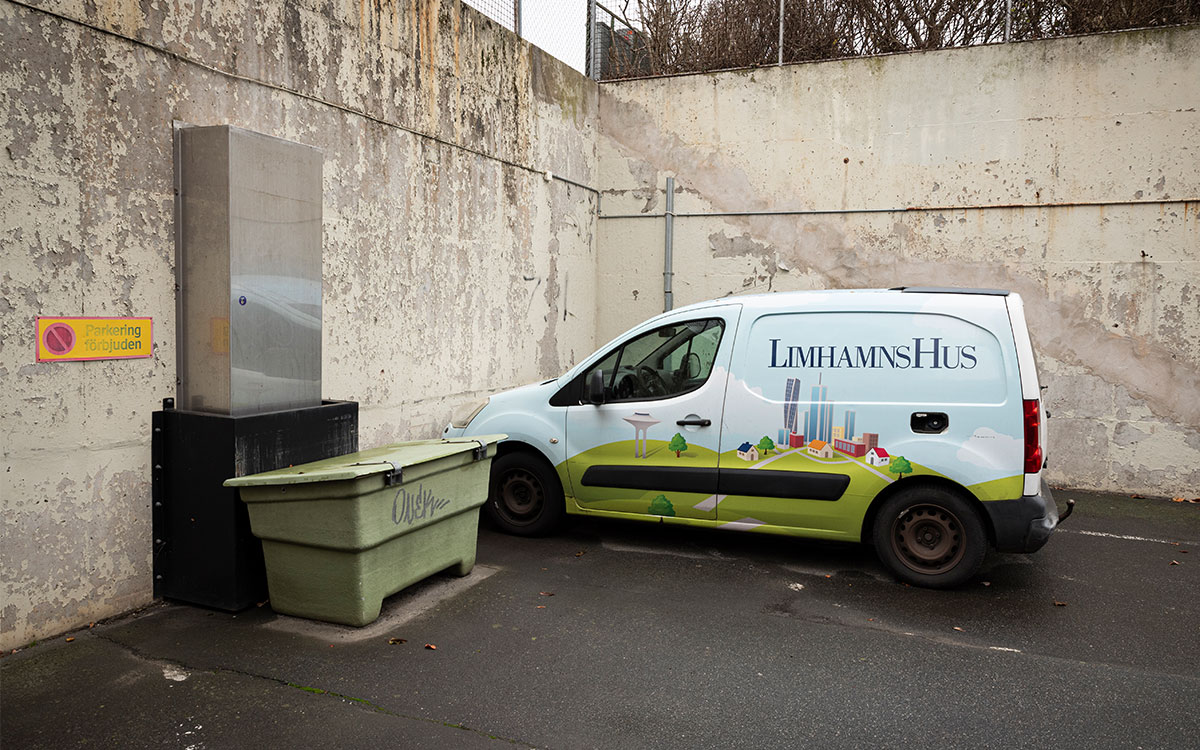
424,247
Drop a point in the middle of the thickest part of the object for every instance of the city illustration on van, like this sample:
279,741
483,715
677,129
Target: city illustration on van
814,444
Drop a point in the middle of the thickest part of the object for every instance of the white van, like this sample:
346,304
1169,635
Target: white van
909,417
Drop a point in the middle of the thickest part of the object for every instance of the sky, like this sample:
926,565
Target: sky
558,27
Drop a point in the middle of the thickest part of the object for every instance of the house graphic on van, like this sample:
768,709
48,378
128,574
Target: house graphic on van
820,449
878,457
747,452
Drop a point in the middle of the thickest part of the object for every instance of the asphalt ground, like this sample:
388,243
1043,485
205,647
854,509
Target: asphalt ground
620,635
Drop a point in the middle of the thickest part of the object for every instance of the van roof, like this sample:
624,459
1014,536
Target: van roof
777,298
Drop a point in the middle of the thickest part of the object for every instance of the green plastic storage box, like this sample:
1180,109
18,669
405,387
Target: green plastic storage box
340,535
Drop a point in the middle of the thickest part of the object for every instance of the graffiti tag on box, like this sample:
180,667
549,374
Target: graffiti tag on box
410,506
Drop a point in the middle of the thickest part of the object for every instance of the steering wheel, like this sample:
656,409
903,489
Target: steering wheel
652,382
626,386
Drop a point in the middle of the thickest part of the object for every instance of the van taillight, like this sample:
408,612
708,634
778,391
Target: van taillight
1033,445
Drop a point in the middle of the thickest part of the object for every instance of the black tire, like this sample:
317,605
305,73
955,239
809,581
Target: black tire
525,497
929,536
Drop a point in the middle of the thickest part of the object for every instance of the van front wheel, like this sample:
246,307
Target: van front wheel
929,536
524,495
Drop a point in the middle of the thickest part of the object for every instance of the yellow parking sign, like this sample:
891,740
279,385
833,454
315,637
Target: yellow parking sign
75,339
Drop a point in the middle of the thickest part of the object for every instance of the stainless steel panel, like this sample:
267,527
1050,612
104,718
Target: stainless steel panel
275,273
202,268
268,289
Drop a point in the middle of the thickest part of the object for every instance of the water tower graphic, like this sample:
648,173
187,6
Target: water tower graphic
641,422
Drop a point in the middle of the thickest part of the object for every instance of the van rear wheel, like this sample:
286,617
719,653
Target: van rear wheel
929,536
525,496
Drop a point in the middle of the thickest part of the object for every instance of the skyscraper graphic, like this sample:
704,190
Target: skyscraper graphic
849,424
820,415
791,399
827,420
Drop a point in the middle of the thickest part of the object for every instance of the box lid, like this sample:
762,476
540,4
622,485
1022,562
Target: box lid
383,460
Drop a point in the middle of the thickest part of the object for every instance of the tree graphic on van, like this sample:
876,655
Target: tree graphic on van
901,466
661,506
678,444
766,444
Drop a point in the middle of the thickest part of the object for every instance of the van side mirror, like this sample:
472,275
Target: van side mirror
595,387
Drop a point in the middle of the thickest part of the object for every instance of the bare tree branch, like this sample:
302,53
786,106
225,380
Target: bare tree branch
675,36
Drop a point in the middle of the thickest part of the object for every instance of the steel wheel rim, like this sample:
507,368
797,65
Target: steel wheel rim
520,496
928,539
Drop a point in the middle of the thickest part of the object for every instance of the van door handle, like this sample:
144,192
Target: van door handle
694,422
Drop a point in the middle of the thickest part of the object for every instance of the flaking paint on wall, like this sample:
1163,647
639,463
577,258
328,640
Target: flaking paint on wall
427,238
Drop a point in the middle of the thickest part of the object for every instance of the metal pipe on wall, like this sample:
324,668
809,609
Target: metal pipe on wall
781,32
669,242
907,209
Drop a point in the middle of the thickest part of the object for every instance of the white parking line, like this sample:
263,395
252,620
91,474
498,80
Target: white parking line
648,549
1125,537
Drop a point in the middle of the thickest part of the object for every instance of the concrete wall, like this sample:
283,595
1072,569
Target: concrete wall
458,234
1069,171
453,265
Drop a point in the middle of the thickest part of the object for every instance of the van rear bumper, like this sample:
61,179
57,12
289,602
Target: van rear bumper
1023,524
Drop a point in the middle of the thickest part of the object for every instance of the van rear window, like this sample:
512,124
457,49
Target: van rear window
924,357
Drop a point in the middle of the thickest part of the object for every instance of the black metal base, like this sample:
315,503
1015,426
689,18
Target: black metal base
204,552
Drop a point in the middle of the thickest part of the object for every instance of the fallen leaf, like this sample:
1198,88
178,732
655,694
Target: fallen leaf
331,645
396,641
581,553
1137,497
986,583
1175,544
1174,562
546,593
959,629
264,601
1183,551
1177,499
431,647
829,576
541,606
1194,500
70,639
1059,604
870,619
91,625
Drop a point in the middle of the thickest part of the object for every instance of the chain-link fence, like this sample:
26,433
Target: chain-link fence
507,13
630,38
615,48
559,27
678,36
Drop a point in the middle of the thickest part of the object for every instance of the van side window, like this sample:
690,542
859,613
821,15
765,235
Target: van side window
663,363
